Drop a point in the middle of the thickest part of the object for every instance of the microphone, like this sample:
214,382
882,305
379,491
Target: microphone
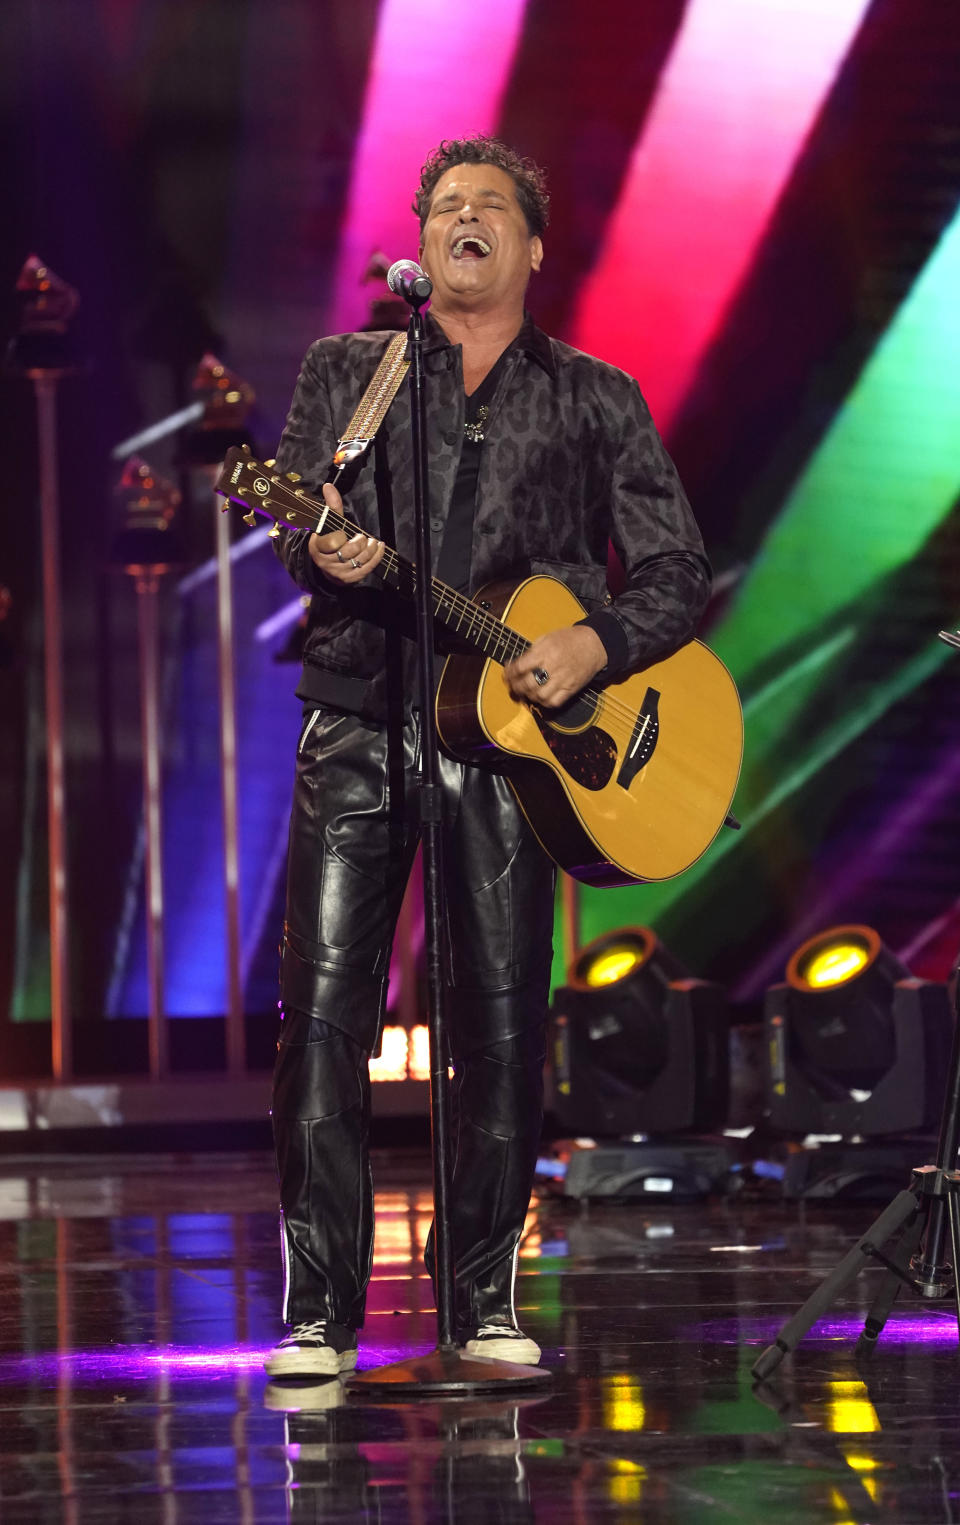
407,280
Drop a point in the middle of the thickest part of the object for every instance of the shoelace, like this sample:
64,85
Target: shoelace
502,1331
314,1331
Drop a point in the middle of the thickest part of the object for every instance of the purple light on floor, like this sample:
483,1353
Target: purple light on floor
205,1360
133,1363
925,1329
130,1362
383,1354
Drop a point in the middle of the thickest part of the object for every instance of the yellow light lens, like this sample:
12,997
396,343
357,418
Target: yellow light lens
834,965
613,964
833,957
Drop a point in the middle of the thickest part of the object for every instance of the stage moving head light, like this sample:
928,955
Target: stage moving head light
855,1046
836,957
625,976
843,1016
638,1046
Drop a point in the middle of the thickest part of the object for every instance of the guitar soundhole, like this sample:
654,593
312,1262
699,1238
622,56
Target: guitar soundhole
589,757
575,715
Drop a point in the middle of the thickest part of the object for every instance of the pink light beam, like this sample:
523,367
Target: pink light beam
433,76
737,99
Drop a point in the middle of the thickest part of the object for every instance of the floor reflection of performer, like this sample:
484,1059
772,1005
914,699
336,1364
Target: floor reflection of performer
538,455
463,1461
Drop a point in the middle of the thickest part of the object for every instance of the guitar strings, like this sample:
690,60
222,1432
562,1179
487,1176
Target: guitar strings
504,634
489,625
515,642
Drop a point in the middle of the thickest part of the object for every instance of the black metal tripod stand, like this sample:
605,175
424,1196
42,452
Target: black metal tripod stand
917,1221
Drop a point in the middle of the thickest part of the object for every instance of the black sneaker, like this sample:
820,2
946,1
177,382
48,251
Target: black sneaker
503,1342
314,1350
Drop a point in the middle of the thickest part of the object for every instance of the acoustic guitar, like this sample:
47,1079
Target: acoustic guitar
627,782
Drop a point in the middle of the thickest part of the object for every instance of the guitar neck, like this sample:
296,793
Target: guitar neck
458,613
259,487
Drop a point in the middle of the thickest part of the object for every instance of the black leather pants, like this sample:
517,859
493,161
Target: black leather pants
353,835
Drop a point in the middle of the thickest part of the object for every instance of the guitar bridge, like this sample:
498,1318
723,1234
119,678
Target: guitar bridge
643,739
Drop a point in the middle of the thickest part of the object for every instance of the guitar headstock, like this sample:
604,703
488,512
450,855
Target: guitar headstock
263,490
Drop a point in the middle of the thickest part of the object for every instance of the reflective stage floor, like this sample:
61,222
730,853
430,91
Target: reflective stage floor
140,1293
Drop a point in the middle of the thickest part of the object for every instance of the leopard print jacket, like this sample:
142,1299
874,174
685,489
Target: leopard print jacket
571,460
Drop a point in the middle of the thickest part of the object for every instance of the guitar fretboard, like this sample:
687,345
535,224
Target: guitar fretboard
472,623
259,488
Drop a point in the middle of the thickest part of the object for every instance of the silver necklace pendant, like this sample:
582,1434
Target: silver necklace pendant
474,432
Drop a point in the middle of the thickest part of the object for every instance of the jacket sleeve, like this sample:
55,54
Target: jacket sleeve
656,537
307,446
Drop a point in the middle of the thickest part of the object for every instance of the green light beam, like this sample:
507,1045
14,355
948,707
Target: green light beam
884,476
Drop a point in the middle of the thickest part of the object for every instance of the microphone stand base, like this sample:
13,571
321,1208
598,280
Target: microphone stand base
447,1373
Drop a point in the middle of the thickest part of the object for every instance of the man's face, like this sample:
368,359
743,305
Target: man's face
475,245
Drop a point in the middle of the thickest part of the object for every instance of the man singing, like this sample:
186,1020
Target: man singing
538,456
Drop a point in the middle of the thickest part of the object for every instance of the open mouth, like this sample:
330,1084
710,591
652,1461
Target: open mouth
471,247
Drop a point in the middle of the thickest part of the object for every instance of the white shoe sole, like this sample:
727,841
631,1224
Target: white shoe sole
522,1352
297,1362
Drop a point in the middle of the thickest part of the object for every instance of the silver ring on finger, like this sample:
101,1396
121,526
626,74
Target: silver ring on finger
354,564
339,555
541,675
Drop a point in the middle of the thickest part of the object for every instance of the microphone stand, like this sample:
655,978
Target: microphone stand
446,1370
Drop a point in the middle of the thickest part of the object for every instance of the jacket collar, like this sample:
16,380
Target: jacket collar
531,339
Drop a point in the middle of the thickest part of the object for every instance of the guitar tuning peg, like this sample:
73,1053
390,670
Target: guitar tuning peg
274,533
293,476
250,519
272,462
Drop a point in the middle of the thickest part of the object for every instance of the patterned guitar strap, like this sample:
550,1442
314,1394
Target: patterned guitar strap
362,428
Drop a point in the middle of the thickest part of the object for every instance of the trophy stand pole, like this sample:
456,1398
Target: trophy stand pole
45,386
236,1037
148,589
570,910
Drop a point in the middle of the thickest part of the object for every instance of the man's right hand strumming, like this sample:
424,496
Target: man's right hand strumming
338,557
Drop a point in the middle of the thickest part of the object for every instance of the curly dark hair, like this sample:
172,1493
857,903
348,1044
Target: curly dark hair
527,176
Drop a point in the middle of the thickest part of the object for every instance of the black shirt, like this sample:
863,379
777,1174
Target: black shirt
453,563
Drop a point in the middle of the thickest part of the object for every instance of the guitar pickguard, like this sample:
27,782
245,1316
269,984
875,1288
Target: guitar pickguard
589,757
